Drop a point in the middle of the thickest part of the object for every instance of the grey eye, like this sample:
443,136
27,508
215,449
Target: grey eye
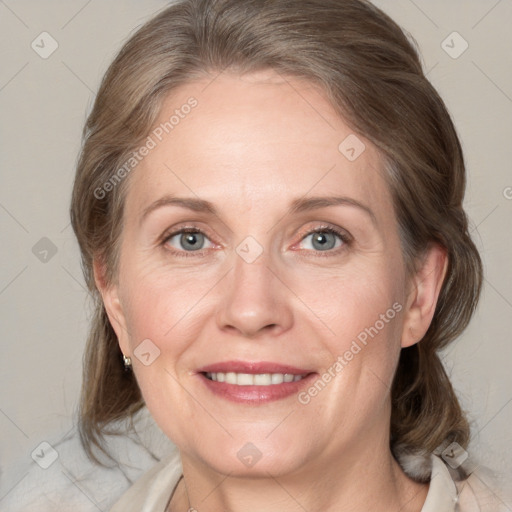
323,240
188,240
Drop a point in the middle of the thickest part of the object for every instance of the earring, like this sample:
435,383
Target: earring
127,363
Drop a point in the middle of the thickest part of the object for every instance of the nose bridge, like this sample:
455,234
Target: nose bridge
253,299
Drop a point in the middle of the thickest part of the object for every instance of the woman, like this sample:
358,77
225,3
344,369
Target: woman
269,208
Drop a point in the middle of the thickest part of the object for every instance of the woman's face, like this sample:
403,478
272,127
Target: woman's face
252,171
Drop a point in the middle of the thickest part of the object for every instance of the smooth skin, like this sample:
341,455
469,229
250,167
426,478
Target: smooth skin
253,145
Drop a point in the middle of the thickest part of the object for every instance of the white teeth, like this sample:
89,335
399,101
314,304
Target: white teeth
250,379
277,378
230,378
244,379
262,379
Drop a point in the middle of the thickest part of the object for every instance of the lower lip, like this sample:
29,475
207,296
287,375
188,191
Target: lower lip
255,394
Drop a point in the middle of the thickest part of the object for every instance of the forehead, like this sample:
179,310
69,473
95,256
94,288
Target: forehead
252,140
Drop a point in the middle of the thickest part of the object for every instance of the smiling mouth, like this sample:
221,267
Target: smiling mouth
254,389
251,379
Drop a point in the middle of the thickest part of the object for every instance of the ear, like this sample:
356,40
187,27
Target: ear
113,306
424,289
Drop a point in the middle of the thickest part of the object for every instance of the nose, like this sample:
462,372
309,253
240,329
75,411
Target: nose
254,301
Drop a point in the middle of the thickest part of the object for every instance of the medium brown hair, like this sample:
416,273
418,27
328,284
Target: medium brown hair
372,75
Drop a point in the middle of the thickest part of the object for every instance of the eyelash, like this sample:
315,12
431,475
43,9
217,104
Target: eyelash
343,236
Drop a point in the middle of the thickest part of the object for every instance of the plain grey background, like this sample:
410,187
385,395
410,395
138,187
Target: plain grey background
44,102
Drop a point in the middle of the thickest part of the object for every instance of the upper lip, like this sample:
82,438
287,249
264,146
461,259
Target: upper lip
252,367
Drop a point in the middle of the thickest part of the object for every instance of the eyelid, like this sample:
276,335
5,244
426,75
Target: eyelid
325,227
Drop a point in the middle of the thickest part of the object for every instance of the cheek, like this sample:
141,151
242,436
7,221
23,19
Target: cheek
160,301
353,301
157,313
361,312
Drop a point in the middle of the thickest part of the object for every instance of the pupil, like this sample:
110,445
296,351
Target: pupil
321,241
191,240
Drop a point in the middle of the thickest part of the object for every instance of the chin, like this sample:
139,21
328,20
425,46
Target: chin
241,457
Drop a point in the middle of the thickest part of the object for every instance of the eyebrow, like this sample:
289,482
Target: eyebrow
299,205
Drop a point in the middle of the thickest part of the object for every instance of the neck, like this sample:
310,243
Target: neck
366,477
